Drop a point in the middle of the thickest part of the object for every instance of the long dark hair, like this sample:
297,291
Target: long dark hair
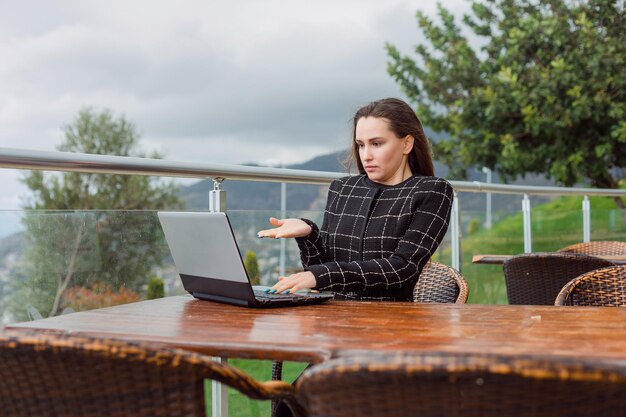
402,122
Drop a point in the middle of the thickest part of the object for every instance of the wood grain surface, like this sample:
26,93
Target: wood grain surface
342,328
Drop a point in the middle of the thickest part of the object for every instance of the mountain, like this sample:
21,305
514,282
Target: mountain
253,195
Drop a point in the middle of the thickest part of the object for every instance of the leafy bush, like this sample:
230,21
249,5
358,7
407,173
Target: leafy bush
156,288
252,267
98,296
473,227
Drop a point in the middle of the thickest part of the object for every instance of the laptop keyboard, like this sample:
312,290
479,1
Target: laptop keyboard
262,295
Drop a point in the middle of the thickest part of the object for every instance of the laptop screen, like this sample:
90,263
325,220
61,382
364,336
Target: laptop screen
203,245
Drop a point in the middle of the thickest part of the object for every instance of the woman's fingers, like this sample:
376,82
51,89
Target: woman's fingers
267,233
276,222
283,286
273,233
295,282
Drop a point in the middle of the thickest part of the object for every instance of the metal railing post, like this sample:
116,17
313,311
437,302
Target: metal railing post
217,196
219,402
528,241
586,219
455,234
283,214
488,220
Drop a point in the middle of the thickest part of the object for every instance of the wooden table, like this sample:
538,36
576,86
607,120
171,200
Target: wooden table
499,259
341,328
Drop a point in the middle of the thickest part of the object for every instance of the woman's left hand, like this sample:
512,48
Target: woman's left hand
286,228
295,282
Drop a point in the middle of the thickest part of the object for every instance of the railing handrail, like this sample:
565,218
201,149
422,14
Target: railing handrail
92,163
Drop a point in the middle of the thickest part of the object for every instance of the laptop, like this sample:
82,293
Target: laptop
210,266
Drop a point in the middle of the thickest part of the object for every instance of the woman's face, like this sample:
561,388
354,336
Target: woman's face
384,155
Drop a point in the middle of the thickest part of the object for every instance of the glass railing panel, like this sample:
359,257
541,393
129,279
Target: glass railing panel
608,224
56,261
64,261
559,222
505,236
11,243
555,228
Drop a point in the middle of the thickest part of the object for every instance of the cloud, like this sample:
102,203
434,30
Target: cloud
227,82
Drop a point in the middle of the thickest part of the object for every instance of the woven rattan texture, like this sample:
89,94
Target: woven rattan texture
439,283
598,248
460,385
58,376
604,287
537,278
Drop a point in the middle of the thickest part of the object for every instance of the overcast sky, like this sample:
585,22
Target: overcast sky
204,81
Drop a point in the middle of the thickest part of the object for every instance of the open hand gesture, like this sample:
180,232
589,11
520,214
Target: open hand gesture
286,228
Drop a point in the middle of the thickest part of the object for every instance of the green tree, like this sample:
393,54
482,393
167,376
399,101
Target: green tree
252,267
116,242
544,93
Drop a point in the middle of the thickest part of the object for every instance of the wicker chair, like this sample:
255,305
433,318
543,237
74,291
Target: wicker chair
598,248
468,385
59,375
604,287
537,278
438,283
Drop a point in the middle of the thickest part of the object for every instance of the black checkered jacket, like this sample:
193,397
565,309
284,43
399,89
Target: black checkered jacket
375,239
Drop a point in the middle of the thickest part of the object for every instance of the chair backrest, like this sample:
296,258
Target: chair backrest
58,375
597,248
439,283
604,287
537,278
468,385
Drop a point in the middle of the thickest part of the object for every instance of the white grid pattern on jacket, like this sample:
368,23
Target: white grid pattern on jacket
376,239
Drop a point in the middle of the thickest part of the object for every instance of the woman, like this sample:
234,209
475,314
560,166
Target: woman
381,227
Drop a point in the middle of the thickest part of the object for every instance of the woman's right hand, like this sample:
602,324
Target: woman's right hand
286,228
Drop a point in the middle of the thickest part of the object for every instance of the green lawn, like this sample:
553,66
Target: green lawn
240,405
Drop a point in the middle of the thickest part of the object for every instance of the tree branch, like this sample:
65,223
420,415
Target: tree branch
70,271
